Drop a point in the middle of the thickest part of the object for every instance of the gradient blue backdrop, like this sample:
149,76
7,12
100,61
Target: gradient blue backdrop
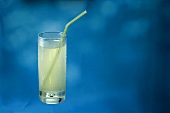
118,58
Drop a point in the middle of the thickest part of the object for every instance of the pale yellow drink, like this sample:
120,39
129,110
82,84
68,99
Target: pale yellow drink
52,72
56,80
52,64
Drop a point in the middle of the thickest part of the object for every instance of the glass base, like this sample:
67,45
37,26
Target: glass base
52,97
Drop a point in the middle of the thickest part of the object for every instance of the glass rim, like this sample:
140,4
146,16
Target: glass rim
48,32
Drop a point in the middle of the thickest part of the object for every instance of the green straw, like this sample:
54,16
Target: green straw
60,44
72,21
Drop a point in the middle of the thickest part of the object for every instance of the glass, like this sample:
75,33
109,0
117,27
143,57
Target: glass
51,67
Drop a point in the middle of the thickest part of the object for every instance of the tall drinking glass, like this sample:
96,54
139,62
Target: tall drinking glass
52,67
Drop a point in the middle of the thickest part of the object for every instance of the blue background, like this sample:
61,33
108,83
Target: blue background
118,56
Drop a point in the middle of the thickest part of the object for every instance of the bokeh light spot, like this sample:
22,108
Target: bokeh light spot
74,74
135,28
27,59
17,40
52,26
109,8
96,23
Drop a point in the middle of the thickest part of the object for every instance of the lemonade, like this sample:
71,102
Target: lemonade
52,72
52,64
